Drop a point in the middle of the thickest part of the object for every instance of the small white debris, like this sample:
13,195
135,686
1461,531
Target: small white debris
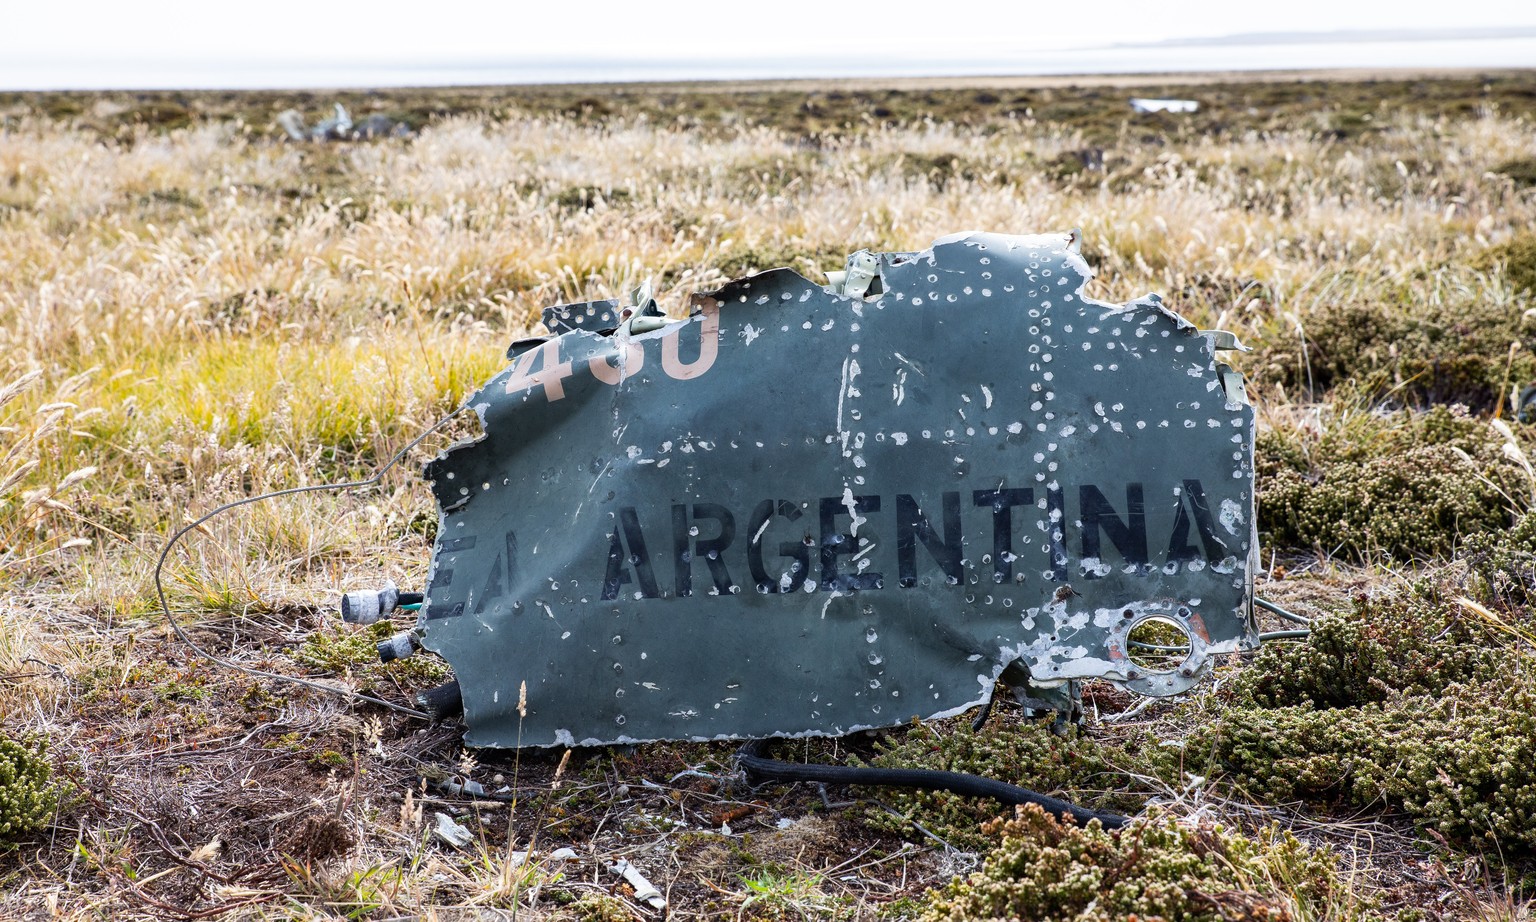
1164,105
451,832
644,889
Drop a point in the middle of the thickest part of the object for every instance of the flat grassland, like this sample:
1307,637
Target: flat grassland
193,310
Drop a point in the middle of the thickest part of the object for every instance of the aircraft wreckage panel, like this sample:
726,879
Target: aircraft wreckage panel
799,512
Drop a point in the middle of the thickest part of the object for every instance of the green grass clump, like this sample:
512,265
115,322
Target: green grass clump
1405,485
1155,868
28,794
1409,700
1027,754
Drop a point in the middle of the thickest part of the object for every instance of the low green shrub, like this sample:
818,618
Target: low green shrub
29,795
1516,258
1155,868
1415,642
941,169
1463,764
1520,169
586,198
1405,485
1410,701
1506,562
1027,754
1441,338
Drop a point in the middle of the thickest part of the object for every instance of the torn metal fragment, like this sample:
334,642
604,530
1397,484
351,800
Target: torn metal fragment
645,891
451,832
809,510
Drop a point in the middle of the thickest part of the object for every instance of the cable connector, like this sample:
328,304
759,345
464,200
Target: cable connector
367,606
399,646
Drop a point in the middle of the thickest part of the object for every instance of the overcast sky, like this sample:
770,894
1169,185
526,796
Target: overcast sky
90,37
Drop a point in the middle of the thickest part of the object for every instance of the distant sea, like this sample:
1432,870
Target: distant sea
1482,53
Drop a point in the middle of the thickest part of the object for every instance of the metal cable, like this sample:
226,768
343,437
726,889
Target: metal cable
1286,635
1272,608
181,632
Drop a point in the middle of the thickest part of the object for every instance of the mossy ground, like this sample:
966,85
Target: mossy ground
1415,699
1041,870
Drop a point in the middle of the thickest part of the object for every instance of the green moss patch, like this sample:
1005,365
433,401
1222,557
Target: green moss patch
338,649
1027,754
1414,700
1403,485
29,795
1155,868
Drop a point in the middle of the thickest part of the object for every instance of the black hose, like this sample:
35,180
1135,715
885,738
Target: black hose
760,767
443,702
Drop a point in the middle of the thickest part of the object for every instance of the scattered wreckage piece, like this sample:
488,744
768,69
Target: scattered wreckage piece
340,127
810,510
1147,106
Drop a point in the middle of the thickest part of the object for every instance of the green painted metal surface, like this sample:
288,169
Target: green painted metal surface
801,511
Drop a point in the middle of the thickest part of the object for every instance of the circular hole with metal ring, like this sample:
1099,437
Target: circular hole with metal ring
1158,645
1159,649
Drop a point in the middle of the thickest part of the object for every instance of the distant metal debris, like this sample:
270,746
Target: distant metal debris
1164,105
812,509
340,127
1089,158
